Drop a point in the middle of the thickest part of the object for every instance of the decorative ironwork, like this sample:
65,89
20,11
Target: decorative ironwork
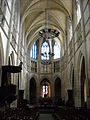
48,34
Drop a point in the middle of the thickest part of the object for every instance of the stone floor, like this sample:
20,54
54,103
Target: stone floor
46,116
46,113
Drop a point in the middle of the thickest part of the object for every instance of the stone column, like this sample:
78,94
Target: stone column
77,86
38,68
85,9
10,30
88,71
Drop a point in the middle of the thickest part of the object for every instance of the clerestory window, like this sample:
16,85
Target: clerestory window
78,10
70,30
33,52
56,51
45,49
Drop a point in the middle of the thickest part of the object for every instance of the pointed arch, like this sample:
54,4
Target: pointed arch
57,90
83,83
45,88
32,91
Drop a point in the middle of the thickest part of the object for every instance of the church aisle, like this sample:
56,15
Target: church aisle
46,117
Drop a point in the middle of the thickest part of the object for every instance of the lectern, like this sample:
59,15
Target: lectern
8,90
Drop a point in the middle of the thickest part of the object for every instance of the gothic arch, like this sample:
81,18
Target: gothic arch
32,91
57,89
82,82
44,77
45,88
56,76
33,76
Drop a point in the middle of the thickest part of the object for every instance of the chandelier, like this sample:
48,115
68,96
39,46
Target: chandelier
48,34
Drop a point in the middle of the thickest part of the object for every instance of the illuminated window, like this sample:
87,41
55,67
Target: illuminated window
56,51
78,10
45,51
33,52
44,90
70,30
9,3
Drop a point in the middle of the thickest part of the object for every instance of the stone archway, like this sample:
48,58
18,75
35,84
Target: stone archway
45,92
57,90
83,84
71,98
32,91
45,88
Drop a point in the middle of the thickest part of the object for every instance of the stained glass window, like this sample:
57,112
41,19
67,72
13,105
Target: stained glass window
70,30
44,90
33,52
78,10
45,51
56,51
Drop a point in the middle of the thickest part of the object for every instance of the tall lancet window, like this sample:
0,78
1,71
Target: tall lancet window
45,51
56,51
44,90
78,10
70,30
33,52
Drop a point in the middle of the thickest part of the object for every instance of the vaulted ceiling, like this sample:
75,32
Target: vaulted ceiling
33,16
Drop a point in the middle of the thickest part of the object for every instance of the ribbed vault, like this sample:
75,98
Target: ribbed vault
33,16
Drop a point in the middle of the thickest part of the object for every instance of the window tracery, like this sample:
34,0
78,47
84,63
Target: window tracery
45,49
56,51
33,52
78,10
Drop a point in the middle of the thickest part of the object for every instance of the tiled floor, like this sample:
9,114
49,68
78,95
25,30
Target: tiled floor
46,117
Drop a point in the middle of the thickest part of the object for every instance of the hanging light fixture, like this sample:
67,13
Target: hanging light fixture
48,34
